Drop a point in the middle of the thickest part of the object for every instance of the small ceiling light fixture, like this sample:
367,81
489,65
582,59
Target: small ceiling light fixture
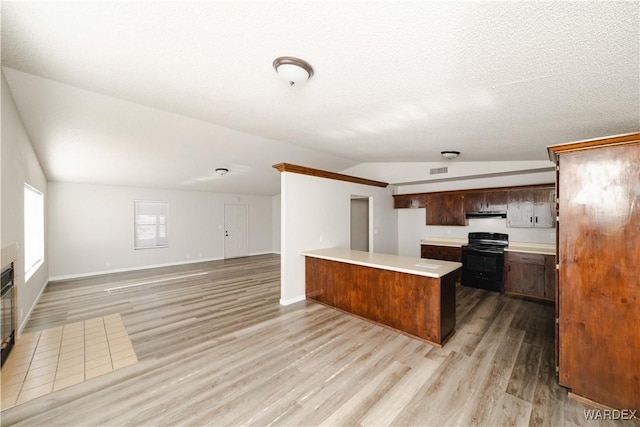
450,154
221,171
293,70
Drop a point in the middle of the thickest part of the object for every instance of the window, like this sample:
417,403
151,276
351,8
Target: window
33,231
151,224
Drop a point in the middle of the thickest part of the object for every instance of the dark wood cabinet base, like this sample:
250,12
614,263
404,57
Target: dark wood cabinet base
424,307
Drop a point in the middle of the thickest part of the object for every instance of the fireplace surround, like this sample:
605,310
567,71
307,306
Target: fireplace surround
7,314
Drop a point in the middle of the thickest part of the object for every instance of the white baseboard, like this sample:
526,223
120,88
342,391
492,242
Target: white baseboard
292,300
35,302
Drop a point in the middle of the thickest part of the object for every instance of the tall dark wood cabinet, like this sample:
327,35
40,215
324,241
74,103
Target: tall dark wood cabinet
598,232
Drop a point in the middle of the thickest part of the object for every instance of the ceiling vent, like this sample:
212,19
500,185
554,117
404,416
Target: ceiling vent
437,171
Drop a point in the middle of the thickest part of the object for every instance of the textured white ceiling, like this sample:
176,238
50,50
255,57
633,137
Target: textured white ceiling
163,83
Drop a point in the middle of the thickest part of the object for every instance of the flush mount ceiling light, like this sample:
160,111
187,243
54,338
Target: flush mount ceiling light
221,171
293,70
450,154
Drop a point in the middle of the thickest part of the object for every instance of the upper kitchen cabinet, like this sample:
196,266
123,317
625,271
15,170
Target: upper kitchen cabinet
403,201
529,208
485,201
445,209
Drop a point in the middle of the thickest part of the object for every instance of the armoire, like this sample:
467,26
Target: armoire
598,269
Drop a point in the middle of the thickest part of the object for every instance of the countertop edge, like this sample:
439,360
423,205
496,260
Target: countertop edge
435,275
531,248
450,243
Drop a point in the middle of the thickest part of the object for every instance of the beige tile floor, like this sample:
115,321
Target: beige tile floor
49,360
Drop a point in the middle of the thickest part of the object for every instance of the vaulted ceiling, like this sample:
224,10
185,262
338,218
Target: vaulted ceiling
161,93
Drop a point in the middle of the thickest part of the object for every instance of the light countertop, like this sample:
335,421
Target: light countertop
418,266
532,248
441,241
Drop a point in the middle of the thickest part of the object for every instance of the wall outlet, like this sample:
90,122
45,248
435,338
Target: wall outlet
107,264
188,256
552,234
21,313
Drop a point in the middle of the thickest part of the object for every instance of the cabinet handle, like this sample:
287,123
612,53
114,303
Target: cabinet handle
536,220
509,268
531,219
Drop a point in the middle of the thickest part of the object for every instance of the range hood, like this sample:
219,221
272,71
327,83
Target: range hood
486,214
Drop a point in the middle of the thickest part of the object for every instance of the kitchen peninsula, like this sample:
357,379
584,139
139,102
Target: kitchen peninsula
415,296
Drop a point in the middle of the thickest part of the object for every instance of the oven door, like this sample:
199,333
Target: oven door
482,268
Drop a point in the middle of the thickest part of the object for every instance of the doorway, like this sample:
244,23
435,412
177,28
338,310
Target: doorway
360,223
236,230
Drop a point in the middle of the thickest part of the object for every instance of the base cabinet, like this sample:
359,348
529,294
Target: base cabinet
444,253
530,275
424,307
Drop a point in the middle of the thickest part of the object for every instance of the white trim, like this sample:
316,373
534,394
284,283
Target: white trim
292,300
138,205
262,253
35,302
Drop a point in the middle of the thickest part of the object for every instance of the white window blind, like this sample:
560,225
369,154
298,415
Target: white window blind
151,224
33,230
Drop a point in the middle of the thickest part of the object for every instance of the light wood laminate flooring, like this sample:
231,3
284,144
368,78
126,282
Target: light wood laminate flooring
214,347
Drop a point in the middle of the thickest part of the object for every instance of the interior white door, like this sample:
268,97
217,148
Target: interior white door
236,231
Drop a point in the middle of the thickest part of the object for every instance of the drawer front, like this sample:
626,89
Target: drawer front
525,258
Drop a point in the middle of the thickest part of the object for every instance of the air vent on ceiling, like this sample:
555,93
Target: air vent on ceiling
437,171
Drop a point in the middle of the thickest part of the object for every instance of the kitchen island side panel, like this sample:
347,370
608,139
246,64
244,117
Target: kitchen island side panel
409,303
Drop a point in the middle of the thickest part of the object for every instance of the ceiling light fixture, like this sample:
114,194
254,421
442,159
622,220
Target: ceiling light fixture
450,154
222,171
294,70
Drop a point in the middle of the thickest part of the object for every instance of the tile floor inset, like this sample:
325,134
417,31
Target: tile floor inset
52,359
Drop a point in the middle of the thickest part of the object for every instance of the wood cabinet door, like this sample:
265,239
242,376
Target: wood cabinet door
429,251
474,202
453,210
496,200
520,208
450,253
544,208
524,274
599,277
445,209
434,209
401,201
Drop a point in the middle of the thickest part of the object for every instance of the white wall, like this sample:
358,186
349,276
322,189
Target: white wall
20,165
91,228
316,214
411,222
275,220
